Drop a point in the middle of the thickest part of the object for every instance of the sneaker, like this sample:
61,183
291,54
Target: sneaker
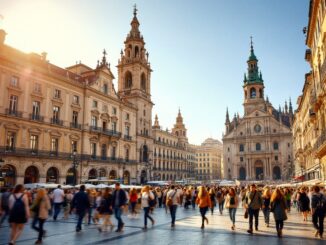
249,231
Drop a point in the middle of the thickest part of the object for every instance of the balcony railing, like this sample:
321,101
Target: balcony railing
36,117
56,121
127,137
75,125
321,140
13,113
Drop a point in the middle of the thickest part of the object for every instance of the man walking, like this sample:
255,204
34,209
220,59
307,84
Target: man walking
172,201
253,204
318,206
58,198
4,205
119,201
80,202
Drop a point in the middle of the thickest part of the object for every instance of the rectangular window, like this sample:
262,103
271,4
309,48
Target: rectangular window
241,159
105,88
127,130
73,146
54,145
34,143
127,154
114,111
57,94
93,150
113,152
14,81
75,118
37,88
94,104
76,100
13,104
276,158
103,152
127,116
10,144
114,126
56,114
94,121
36,110
104,125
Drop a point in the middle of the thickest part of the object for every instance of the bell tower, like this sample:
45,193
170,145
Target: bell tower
180,130
134,86
253,85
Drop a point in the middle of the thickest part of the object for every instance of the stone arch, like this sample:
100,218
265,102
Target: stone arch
32,175
126,177
102,173
143,177
70,177
253,93
52,175
128,80
113,175
259,170
92,174
9,173
136,51
276,173
144,153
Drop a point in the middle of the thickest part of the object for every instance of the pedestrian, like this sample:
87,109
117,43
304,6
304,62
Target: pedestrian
133,199
187,199
67,203
253,204
91,197
204,202
40,207
119,202
105,210
318,208
58,199
212,196
159,196
220,200
232,202
304,203
194,197
172,202
279,207
266,205
146,197
4,205
80,203
287,196
19,212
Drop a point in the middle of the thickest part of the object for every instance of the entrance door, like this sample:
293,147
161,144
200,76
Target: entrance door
259,173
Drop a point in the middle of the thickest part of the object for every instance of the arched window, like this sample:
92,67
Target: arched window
252,93
128,80
136,51
275,146
258,147
241,147
143,82
261,93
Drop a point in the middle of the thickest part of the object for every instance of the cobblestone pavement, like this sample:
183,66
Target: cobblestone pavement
187,231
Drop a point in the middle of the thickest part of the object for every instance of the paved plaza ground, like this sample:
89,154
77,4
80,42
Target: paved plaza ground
187,231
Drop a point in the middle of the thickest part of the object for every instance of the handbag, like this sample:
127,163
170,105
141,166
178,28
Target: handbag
246,214
169,201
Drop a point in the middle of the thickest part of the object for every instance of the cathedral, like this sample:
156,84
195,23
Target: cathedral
258,146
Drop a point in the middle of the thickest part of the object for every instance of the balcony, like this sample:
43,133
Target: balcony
36,117
320,145
56,121
75,125
13,113
127,137
95,128
113,133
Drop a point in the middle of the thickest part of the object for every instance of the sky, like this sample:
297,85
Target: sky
197,49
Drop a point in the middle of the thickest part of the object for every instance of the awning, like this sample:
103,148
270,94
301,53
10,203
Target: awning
301,178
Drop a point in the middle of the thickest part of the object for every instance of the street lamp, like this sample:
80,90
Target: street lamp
75,166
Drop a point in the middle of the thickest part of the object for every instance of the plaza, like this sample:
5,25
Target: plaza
186,231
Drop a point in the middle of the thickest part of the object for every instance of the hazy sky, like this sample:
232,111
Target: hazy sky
198,49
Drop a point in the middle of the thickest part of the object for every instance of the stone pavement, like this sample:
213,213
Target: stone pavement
187,231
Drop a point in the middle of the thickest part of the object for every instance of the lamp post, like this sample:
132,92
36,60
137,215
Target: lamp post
75,166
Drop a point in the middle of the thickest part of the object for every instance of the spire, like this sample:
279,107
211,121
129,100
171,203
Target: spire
179,118
267,99
103,62
290,107
254,76
134,32
286,107
227,118
156,123
252,53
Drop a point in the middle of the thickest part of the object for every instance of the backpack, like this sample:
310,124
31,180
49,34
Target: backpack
18,209
321,204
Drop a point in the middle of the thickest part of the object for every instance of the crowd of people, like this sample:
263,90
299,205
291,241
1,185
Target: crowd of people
97,206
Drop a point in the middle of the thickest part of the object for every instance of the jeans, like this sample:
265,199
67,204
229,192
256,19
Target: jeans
203,213
279,224
266,212
173,211
90,210
146,215
81,214
232,212
57,207
252,213
160,201
221,206
117,215
318,221
4,215
39,229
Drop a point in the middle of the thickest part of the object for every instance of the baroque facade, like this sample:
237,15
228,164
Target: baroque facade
309,129
209,160
258,146
52,116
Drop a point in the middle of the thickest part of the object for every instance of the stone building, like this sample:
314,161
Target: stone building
174,158
258,146
309,129
51,117
209,157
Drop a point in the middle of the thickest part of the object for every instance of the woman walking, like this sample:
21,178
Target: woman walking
304,203
232,202
133,199
266,205
106,210
204,202
40,207
146,197
19,212
278,207
212,196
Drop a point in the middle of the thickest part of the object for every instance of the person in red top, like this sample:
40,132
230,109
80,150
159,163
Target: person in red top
133,198
204,202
